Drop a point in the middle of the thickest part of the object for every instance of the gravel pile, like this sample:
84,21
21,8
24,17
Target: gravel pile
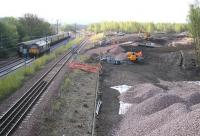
154,104
185,125
147,124
174,111
121,56
193,98
139,93
183,89
112,50
100,50
116,50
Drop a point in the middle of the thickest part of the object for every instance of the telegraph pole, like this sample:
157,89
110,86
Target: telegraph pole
57,25
75,30
1,41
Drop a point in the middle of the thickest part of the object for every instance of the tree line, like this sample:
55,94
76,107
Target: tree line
132,26
15,30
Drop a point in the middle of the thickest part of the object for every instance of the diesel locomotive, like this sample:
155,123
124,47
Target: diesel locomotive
40,46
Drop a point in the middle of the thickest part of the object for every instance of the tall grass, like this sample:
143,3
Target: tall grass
14,81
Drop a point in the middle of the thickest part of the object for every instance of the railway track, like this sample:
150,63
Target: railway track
13,64
9,61
13,117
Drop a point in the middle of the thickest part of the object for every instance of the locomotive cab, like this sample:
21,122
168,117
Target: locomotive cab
39,48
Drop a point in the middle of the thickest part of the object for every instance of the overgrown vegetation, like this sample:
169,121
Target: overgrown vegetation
132,26
13,81
194,25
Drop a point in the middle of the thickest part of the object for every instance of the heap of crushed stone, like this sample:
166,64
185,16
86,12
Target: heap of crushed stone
185,125
154,104
112,50
161,112
145,125
116,50
139,93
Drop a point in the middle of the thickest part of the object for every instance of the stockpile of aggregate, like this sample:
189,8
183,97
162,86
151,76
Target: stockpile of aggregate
173,110
116,50
110,50
140,93
121,56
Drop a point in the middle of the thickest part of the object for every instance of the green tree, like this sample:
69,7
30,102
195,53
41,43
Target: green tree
132,26
194,27
8,38
8,32
34,27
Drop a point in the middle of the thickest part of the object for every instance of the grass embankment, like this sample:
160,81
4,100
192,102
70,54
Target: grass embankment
13,81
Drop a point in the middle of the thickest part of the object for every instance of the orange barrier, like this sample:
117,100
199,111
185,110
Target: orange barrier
85,67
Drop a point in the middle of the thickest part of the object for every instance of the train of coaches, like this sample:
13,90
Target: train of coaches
37,47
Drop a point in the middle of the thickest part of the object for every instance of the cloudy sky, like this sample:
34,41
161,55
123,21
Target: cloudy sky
88,11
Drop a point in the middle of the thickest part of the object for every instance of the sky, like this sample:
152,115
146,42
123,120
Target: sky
90,11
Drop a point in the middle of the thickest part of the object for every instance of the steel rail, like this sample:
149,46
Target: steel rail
16,113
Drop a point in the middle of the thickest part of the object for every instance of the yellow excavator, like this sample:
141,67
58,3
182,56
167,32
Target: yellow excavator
136,56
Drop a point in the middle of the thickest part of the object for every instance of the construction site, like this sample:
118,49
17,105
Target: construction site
100,68
140,84
149,85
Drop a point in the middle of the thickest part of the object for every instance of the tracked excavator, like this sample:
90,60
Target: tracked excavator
136,56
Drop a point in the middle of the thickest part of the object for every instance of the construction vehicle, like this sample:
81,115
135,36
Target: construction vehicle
136,56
